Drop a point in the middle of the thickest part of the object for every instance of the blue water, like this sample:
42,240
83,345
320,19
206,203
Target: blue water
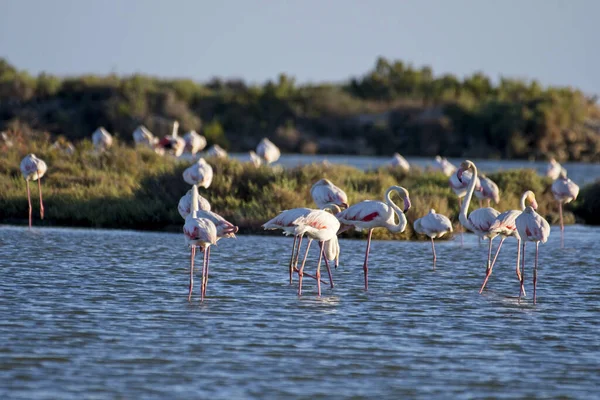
104,314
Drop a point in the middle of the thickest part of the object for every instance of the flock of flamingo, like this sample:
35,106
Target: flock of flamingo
203,227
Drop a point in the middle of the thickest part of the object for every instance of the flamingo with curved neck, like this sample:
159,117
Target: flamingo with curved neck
480,220
371,214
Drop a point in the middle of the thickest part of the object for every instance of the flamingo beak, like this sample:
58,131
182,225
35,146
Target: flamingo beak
406,204
534,204
344,205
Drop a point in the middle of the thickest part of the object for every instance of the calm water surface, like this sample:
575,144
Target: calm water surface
104,314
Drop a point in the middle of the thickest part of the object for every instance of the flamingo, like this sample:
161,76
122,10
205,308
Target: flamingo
459,187
173,143
255,159
445,166
489,191
199,232
324,192
268,151
33,168
564,191
200,173
194,142
317,225
216,151
398,161
286,221
433,225
185,204
480,220
532,227
371,214
142,136
102,139
553,169
505,227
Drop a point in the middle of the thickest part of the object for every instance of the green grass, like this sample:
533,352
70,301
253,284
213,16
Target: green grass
137,189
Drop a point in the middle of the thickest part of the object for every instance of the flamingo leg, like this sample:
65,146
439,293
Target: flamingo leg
327,266
518,269
29,201
460,229
301,271
366,264
207,265
193,254
537,247
318,274
562,226
292,259
488,272
522,291
488,202
204,272
298,253
480,203
41,202
434,255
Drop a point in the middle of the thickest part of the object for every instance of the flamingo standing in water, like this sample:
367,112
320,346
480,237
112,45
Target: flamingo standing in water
433,225
267,151
489,191
532,227
505,226
480,220
185,204
324,193
317,225
200,173
102,139
371,214
198,232
459,187
564,191
553,169
398,161
33,168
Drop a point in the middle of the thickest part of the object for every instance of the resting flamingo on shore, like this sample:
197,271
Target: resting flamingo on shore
505,226
532,227
199,232
324,192
489,191
480,220
216,151
267,151
255,159
142,136
398,161
445,166
173,143
200,173
194,142
433,225
371,214
102,139
564,191
321,226
33,168
554,169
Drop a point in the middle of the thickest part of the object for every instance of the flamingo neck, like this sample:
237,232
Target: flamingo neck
394,228
195,197
464,208
523,198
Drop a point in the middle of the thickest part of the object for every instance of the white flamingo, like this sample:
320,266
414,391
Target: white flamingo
143,137
506,227
200,173
216,151
194,142
564,191
255,159
33,169
433,225
324,192
371,214
445,166
532,227
317,225
398,161
102,139
480,220
173,143
459,187
267,151
200,232
553,169
185,204
489,191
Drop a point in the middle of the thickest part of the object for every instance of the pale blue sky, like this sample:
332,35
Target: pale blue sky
313,40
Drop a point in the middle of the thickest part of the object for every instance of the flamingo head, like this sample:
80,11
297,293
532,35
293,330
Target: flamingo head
464,166
406,203
344,205
532,200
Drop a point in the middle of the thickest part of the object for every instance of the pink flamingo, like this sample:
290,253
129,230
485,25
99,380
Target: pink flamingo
199,232
564,191
185,204
480,220
267,151
506,227
371,214
173,143
102,139
317,225
459,187
489,191
324,193
553,169
532,227
33,169
400,162
433,225
200,173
